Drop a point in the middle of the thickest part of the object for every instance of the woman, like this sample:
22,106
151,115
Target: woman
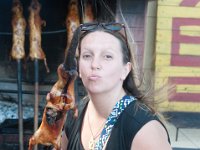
115,114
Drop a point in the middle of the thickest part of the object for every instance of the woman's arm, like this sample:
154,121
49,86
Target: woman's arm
152,136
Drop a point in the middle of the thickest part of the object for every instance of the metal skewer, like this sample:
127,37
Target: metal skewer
36,67
20,107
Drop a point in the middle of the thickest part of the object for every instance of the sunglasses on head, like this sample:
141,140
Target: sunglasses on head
106,26
113,27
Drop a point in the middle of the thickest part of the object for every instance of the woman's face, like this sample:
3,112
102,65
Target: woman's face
100,65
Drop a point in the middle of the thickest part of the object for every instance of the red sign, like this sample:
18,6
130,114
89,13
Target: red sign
191,3
184,60
191,97
176,58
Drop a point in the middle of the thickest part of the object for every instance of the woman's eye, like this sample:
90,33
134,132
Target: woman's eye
86,56
108,57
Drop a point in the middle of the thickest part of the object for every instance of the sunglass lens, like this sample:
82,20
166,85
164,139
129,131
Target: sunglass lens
113,27
88,27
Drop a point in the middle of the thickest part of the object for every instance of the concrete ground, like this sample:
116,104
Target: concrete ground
188,139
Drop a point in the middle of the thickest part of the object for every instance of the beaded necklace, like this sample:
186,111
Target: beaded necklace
112,119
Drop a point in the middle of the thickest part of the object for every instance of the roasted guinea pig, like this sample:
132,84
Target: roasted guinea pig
72,21
88,15
19,27
35,25
59,100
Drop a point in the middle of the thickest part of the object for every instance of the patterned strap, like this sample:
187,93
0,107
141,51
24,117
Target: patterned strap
112,119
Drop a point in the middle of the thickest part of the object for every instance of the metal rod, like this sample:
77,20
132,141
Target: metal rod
9,80
23,91
20,107
36,65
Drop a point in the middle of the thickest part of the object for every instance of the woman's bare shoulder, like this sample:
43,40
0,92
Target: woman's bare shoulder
152,136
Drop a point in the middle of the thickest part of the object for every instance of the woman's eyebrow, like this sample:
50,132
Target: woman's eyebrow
86,48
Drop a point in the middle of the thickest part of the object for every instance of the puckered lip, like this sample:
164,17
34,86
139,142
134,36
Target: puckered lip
94,77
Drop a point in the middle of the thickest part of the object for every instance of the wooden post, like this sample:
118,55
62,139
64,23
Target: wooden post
149,45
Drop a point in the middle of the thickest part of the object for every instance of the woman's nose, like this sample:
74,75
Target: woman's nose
96,65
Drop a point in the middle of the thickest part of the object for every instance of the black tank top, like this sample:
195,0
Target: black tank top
131,120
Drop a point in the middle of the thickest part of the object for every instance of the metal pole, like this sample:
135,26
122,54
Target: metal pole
20,107
36,66
23,92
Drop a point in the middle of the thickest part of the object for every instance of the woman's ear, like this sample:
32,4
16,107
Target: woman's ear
126,70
